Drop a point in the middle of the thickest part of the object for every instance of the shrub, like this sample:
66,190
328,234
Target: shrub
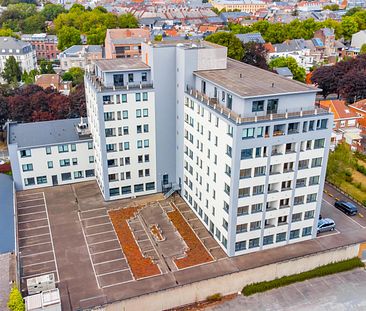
16,302
317,272
214,297
364,202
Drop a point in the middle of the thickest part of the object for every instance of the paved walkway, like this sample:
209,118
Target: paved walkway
338,292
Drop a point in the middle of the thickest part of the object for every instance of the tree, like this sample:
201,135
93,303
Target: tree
45,66
127,21
324,78
353,11
158,38
75,74
234,46
363,49
33,24
332,7
7,32
29,78
68,36
349,26
16,302
290,62
255,54
51,11
12,72
352,86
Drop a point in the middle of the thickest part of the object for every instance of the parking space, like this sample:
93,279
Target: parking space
36,250
109,263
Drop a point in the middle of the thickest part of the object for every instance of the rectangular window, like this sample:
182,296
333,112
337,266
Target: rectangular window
260,171
130,77
306,231
272,105
109,116
41,180
143,76
139,144
299,200
280,237
243,210
126,190
227,189
257,208
268,239
90,145
316,162
246,154
63,148
65,176
241,228
145,96
74,161
27,167
253,243
126,145
319,143
244,192
314,180
138,97
124,98
65,162
258,189
145,112
248,133
146,143
125,114
113,192
50,164
309,215
246,173
258,105
48,150
138,188
225,224
296,217
239,246
294,234
78,174
29,181
73,147
228,150
89,173
311,198
25,153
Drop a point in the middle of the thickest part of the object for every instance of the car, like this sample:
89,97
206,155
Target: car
346,207
325,224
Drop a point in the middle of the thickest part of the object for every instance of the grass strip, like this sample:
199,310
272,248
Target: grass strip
331,268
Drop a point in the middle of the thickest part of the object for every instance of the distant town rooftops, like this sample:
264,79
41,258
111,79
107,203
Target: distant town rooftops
10,45
120,64
250,37
38,134
249,81
39,37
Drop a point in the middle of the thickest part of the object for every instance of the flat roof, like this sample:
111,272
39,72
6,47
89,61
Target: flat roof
249,81
44,133
7,233
119,64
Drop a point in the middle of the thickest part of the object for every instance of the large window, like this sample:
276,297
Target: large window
118,79
258,105
241,228
65,162
244,192
268,239
294,234
29,181
78,174
63,148
280,237
27,167
113,192
253,243
239,246
248,133
25,153
41,180
66,176
246,154
316,162
272,106
150,186
319,143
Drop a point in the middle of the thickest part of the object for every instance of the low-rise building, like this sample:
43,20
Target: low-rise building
243,5
125,43
44,44
358,39
54,81
50,153
23,52
80,56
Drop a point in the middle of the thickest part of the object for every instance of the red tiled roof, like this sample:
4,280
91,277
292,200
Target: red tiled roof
339,109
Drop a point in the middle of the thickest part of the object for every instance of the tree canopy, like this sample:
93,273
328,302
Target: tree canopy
234,46
15,302
12,73
290,62
255,54
75,74
67,37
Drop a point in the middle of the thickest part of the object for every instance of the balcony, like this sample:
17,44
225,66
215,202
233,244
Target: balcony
238,119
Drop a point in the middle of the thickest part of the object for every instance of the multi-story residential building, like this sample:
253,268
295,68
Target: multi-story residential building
44,44
250,6
80,56
23,52
50,153
125,43
246,148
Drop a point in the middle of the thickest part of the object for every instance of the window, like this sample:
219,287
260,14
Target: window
306,231
258,152
50,164
126,190
146,128
272,106
145,112
227,170
126,145
299,200
138,97
228,150
73,147
239,246
227,189
25,153
65,176
319,143
253,243
301,182
48,150
256,208
78,174
241,228
74,161
309,215
125,114
139,144
113,192
150,186
138,188
41,180
147,158
314,180
245,173
294,234
90,145
268,239
109,116
224,224
303,164
63,148
260,131
226,207
258,189
248,133
316,162
311,198
296,217
145,96
130,77
259,171
29,181
118,80
224,241
89,173
229,101
124,98
143,76
27,167
280,237
322,124
65,162
246,154
244,192
146,143
258,105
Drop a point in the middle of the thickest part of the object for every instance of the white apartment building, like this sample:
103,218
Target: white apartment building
23,52
50,153
246,148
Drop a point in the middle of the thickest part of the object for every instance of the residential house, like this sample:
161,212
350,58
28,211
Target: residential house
359,107
44,44
53,81
250,6
250,37
358,39
327,38
80,56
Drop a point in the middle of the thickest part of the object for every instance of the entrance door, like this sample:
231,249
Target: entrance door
54,180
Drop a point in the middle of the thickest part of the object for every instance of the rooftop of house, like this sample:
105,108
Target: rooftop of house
10,45
339,109
38,134
48,79
128,36
121,64
249,81
284,71
7,241
360,105
77,49
39,37
250,37
290,46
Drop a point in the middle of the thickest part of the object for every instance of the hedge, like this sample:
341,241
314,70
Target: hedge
317,272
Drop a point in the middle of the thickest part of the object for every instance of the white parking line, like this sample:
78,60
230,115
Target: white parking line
36,244
108,261
115,271
107,251
24,222
94,217
35,254
33,236
103,242
326,235
120,283
106,223
98,233
138,241
95,209
39,274
29,200
33,228
27,194
31,213
36,264
31,206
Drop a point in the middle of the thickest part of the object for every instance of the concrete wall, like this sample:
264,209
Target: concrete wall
232,283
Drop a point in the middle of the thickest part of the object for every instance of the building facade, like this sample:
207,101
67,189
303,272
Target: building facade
44,44
80,56
250,6
50,153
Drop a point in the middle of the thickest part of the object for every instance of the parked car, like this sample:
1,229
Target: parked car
346,207
325,224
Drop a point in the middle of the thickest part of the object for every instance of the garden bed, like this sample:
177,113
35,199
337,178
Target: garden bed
157,233
141,267
196,253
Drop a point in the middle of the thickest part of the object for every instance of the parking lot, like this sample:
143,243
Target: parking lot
36,249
